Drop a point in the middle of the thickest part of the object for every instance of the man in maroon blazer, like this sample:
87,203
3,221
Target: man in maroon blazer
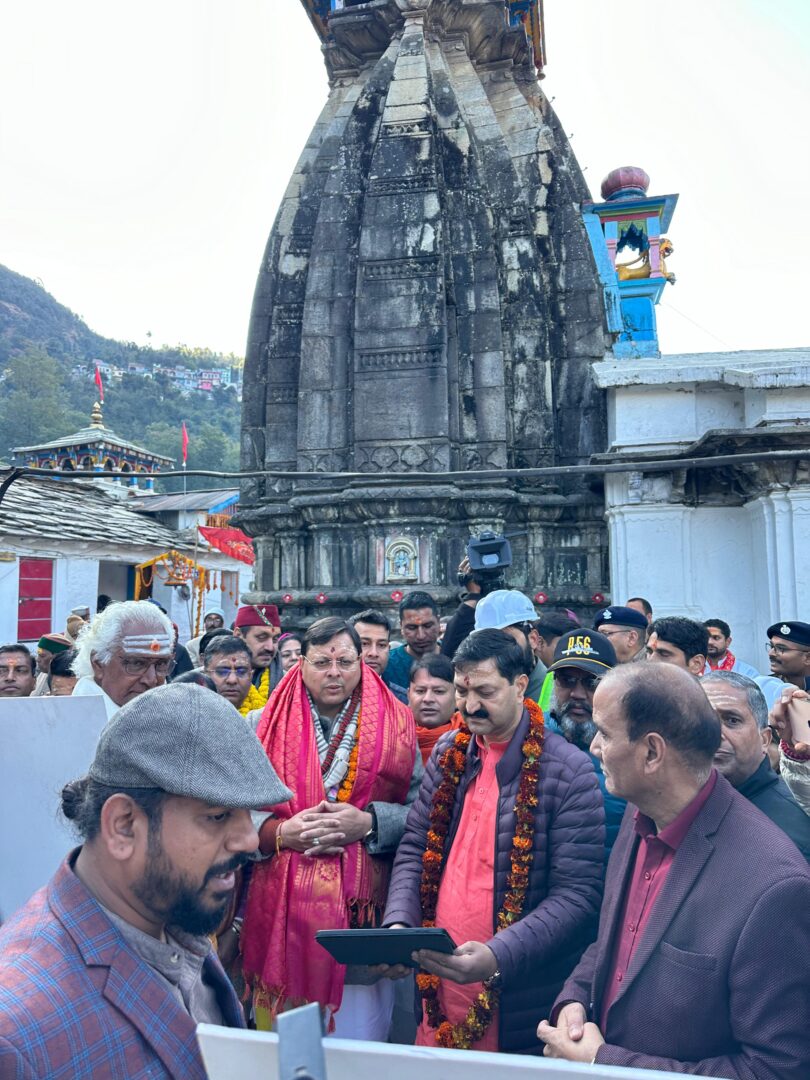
106,971
688,974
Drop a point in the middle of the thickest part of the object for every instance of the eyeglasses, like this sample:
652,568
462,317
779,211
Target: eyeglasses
570,679
224,672
139,665
614,633
780,650
325,665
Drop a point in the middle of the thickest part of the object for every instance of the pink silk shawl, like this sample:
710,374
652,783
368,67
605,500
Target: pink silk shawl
291,896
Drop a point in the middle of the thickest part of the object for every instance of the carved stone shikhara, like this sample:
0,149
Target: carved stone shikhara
427,302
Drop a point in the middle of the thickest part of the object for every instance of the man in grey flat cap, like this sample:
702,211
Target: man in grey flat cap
108,969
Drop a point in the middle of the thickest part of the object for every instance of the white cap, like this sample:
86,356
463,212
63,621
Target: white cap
504,607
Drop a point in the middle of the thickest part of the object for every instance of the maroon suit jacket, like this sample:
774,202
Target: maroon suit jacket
76,1003
719,983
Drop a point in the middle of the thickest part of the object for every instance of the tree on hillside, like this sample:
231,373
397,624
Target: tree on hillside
33,404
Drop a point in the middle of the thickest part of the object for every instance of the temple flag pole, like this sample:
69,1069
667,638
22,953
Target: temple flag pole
184,439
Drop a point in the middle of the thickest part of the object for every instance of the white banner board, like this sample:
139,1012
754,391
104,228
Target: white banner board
44,743
251,1055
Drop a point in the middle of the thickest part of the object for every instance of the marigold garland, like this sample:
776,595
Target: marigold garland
461,1036
264,688
254,700
347,784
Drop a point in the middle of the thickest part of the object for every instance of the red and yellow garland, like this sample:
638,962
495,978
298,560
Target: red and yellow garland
347,784
462,1036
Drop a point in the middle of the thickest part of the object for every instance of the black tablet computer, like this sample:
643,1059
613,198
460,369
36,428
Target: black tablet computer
383,946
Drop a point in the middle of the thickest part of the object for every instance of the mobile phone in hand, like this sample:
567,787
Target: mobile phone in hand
799,712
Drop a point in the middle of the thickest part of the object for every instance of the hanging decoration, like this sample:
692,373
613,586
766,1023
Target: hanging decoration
175,569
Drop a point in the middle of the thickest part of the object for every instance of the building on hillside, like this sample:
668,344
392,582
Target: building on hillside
95,448
65,542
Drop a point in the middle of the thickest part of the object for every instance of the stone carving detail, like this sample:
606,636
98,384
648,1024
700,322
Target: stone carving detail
282,395
483,457
423,457
402,185
299,243
323,461
394,269
392,360
288,313
401,560
418,128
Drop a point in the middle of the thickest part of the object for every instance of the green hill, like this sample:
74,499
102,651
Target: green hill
47,358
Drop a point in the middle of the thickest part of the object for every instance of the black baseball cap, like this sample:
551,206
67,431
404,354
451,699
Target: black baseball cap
587,650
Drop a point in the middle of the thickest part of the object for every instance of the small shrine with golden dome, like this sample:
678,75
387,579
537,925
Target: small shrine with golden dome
95,448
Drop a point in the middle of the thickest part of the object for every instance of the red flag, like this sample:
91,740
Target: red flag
185,443
232,542
99,385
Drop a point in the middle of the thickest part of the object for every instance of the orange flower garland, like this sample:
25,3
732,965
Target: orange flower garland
347,784
452,762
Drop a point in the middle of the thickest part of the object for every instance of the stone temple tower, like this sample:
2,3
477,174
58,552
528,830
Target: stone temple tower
425,319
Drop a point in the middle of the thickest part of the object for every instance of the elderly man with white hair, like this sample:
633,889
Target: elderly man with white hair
126,650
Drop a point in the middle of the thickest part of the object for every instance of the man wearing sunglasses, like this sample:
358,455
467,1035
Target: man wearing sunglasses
581,658
228,663
126,650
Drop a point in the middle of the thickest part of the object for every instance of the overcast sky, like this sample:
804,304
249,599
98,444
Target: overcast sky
144,149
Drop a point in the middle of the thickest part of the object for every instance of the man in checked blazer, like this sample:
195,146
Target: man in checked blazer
701,963
106,972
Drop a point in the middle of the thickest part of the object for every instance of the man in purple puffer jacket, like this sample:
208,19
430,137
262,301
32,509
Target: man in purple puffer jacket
523,965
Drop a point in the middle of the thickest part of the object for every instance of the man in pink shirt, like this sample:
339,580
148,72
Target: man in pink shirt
686,975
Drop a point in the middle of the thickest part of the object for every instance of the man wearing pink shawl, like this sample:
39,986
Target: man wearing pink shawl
347,748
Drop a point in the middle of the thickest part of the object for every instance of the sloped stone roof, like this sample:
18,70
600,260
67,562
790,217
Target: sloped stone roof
73,510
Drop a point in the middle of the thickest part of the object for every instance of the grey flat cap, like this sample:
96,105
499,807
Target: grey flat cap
187,740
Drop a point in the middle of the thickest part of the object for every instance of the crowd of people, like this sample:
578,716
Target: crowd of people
611,821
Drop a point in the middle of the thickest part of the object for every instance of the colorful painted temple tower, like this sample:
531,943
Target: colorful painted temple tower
434,292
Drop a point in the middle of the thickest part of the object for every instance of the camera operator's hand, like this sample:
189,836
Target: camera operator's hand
470,584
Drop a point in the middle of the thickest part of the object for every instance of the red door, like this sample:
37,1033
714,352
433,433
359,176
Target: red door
36,595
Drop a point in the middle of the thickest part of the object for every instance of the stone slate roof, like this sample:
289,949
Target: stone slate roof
209,501
73,510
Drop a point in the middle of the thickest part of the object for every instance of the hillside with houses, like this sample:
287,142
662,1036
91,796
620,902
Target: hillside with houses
48,362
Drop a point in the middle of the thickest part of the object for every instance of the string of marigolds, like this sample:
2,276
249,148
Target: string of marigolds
463,1035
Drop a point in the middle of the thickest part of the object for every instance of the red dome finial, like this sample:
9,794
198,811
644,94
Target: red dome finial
626,182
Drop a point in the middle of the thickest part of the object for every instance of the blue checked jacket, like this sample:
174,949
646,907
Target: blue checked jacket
76,1002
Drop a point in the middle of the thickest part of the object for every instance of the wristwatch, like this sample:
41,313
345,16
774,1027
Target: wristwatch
495,981
371,835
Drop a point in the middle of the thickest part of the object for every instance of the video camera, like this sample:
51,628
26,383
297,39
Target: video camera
488,556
